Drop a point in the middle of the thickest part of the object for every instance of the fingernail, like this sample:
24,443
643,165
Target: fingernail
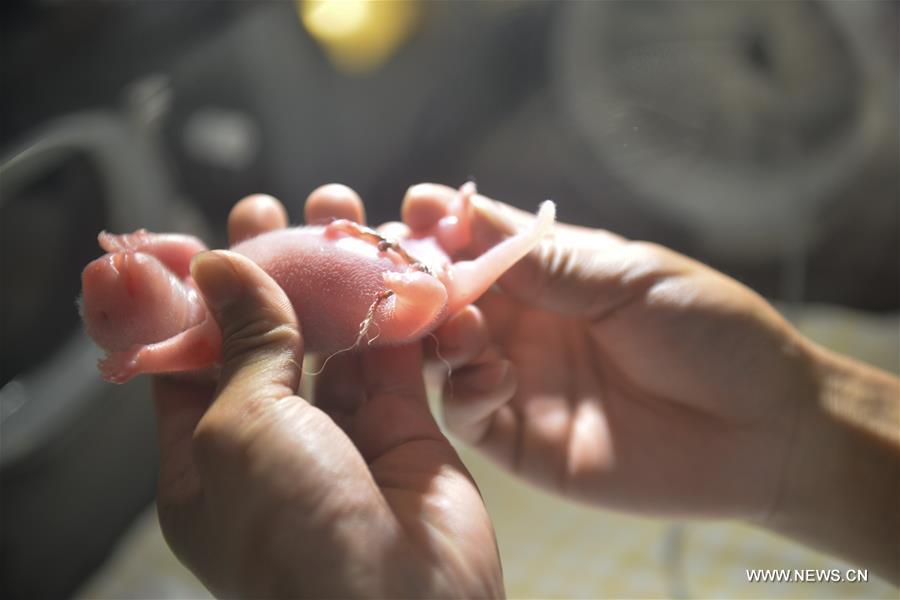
217,279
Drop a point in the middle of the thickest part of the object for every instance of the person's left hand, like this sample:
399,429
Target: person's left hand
263,494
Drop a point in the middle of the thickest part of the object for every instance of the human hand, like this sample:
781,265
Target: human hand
621,373
263,494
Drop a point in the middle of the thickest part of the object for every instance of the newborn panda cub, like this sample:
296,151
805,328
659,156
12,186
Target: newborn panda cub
348,285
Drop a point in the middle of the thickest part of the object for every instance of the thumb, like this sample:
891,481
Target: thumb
262,348
575,271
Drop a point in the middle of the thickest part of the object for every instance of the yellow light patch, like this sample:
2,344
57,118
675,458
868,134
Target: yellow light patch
359,35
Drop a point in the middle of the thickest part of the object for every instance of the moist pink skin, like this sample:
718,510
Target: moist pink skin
132,298
140,304
332,280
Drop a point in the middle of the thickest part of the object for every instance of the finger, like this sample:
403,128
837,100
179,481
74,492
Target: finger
558,275
419,472
493,221
474,394
254,215
334,201
500,436
262,348
179,407
396,409
462,338
501,313
393,370
338,389
425,204
179,489
394,229
576,271
258,440
501,220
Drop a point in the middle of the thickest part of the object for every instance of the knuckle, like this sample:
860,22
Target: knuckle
647,251
647,263
257,334
555,264
651,253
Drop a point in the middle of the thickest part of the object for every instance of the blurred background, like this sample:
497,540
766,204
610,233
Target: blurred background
760,137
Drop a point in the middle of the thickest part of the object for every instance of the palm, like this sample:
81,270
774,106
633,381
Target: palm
649,406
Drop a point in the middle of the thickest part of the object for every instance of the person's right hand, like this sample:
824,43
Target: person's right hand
621,373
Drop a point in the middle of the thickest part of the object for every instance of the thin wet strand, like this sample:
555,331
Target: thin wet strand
364,327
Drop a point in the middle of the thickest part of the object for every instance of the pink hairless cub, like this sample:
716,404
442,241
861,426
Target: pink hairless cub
348,285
